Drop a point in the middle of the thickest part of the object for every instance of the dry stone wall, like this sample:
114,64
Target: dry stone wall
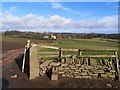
78,70
85,71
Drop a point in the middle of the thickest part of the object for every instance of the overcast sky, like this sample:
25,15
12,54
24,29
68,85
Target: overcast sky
74,17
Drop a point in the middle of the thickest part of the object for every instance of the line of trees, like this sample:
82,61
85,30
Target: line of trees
38,35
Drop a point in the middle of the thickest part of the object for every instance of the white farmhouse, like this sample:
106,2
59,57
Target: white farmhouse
46,37
53,37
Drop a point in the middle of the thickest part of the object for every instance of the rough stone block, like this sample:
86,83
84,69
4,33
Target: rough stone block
61,72
111,76
55,64
94,70
77,76
70,70
60,68
81,67
71,75
54,77
63,75
78,70
93,62
66,68
104,75
44,72
90,73
95,67
64,64
113,71
69,60
104,67
94,75
84,73
100,71
77,65
48,67
84,65
83,70
71,66
75,72
88,67
44,68
87,77
46,63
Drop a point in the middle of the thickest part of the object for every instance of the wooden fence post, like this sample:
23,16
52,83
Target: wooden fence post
60,54
117,65
79,52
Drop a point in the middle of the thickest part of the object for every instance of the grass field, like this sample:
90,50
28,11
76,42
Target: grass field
84,44
87,44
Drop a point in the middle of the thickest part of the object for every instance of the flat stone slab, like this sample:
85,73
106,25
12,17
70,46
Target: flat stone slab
77,65
63,75
83,73
71,66
104,75
94,75
113,71
64,64
100,71
66,68
78,70
111,76
54,63
46,63
61,72
88,67
81,67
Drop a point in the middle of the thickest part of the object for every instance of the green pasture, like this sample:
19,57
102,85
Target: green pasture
87,44
83,44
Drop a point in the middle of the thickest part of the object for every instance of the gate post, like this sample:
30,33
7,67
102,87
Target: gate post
117,65
34,61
